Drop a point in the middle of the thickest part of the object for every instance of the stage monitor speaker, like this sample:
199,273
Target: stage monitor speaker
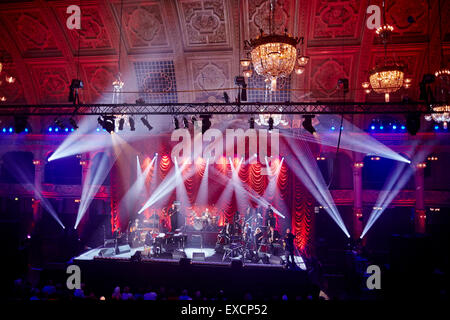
166,255
106,252
275,260
178,254
198,256
184,262
123,249
236,264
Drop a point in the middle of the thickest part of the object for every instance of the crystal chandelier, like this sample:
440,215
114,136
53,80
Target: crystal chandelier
388,77
273,55
439,114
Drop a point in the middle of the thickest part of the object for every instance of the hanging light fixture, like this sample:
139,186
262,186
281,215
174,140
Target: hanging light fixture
388,77
272,55
441,113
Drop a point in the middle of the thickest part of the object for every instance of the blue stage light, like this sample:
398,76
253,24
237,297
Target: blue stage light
26,129
333,128
50,129
372,127
4,129
436,127
72,130
394,127
98,129
56,129
66,129
11,129
403,127
381,127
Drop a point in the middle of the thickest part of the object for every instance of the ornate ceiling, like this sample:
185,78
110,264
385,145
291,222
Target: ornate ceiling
192,47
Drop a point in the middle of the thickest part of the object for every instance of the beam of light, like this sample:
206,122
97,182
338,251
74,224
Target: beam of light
307,171
202,194
352,138
269,169
182,196
242,201
86,139
132,196
241,191
37,194
395,184
95,178
164,188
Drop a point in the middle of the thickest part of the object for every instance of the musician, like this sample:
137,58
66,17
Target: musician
116,235
134,234
288,242
173,214
271,221
247,232
259,235
259,219
272,237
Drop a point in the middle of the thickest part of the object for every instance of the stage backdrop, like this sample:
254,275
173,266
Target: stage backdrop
286,193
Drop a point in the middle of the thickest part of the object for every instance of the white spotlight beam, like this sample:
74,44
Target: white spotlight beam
307,170
202,194
352,138
38,194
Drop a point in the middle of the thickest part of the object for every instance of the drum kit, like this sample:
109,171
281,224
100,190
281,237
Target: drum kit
205,222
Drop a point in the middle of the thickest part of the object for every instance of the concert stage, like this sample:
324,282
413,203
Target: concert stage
212,274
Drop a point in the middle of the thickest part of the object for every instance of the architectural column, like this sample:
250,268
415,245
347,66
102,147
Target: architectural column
85,166
419,214
38,179
357,200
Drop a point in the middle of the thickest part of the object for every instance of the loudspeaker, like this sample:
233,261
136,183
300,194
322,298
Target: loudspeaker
198,256
106,252
123,249
236,264
177,255
275,260
185,262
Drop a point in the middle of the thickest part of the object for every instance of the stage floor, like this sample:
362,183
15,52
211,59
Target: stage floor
211,257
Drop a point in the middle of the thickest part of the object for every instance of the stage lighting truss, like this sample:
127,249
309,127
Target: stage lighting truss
244,108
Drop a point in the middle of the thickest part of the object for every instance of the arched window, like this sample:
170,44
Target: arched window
17,167
63,171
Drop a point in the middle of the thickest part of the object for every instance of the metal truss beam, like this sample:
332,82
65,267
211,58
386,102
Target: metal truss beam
215,108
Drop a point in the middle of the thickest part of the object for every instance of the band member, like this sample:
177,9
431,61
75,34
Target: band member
271,221
134,234
247,232
259,219
248,214
288,243
272,235
173,214
259,235
116,235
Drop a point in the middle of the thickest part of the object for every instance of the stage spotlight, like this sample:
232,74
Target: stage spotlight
132,127
206,123
107,123
270,124
121,123
59,124
307,124
20,124
176,123
146,123
73,123
413,123
186,123
251,122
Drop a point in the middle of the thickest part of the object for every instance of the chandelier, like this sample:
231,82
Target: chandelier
273,55
388,77
439,114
